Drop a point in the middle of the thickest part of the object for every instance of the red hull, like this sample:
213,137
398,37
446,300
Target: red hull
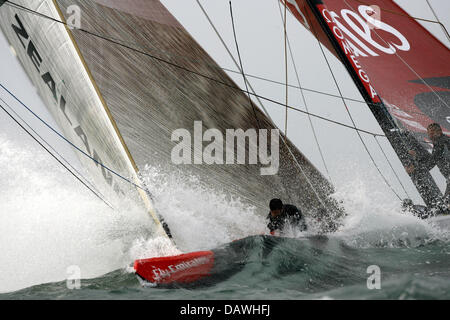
184,268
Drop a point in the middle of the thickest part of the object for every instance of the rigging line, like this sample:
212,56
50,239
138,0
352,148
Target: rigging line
50,147
405,63
135,42
60,162
236,64
408,16
295,159
392,168
351,117
241,67
402,138
285,67
437,19
192,59
194,72
232,57
294,86
273,101
338,123
68,141
215,66
318,91
258,97
145,186
172,55
167,53
177,66
397,109
125,46
304,98
276,102
283,136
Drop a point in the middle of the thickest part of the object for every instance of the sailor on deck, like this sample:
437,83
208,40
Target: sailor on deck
282,214
439,157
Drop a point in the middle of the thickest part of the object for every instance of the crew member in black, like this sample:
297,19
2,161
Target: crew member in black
440,156
280,214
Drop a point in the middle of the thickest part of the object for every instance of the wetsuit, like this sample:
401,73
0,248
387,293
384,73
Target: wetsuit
289,214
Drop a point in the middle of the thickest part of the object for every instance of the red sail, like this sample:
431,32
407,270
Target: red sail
395,58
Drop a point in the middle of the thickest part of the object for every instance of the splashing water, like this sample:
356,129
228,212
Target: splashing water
200,218
50,222
372,222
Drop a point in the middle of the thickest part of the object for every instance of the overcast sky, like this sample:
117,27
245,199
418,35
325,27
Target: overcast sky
260,35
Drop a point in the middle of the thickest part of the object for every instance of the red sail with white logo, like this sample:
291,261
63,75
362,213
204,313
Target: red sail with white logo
398,66
395,58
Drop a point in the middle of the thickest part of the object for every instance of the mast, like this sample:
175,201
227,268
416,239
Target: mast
401,140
